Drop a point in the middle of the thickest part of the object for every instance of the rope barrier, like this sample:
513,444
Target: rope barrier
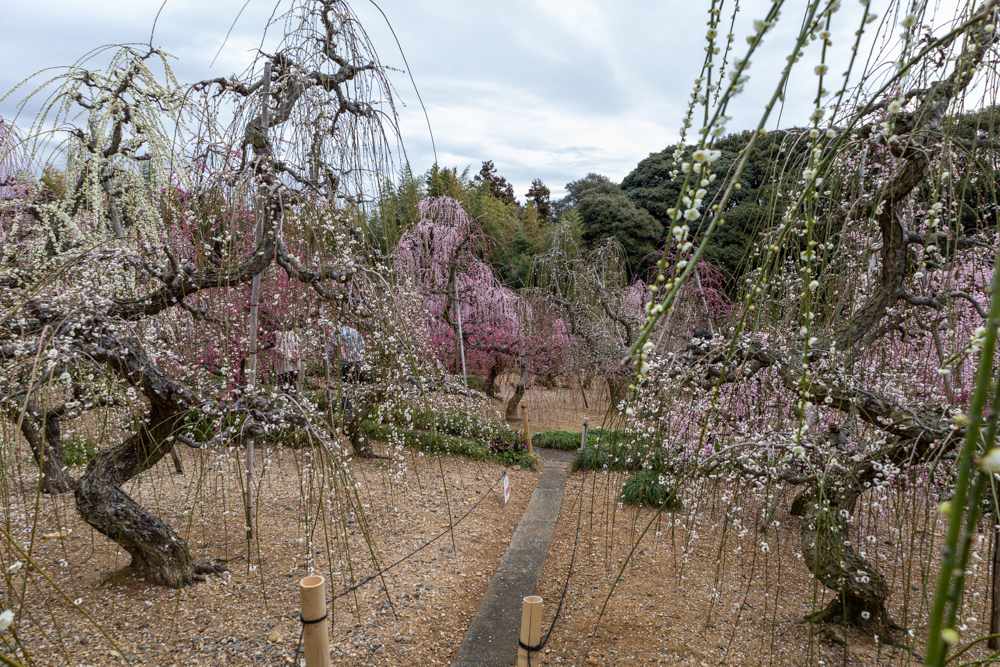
569,575
378,574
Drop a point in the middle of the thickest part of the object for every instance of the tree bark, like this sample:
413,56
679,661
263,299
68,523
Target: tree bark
519,388
491,378
159,555
42,431
830,555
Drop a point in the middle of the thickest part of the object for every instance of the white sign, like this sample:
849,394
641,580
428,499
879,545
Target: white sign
506,488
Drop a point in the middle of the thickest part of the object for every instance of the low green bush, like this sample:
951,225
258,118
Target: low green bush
476,382
565,440
619,450
439,443
79,451
646,488
570,440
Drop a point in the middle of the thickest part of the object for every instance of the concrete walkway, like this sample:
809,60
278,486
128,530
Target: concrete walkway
491,640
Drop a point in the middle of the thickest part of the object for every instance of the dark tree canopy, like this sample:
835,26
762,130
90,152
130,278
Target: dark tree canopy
499,187
651,185
539,194
605,211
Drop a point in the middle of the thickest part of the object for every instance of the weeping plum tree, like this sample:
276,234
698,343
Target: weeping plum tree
103,274
499,329
866,312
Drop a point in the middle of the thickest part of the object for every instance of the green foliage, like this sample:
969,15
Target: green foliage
605,211
398,211
565,440
476,382
646,489
447,182
570,440
620,450
655,185
438,443
79,451
539,194
499,188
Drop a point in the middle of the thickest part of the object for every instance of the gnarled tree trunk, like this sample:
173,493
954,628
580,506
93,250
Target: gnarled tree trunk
520,387
491,378
41,430
830,555
159,555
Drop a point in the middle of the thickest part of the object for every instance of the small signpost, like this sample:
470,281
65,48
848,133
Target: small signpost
506,488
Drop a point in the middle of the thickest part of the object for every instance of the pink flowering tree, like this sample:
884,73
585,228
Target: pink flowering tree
442,257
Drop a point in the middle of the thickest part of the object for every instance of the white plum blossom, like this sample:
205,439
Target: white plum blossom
991,462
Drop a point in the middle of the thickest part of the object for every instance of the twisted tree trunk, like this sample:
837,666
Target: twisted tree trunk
830,555
42,432
520,387
159,555
491,378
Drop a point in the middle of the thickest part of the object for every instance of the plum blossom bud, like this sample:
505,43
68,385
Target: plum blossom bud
991,462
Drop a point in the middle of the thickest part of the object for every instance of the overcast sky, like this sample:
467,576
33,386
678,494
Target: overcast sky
549,89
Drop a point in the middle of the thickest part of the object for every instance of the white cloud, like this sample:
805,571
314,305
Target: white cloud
544,88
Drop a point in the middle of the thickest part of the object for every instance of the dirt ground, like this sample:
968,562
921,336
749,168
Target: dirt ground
703,586
247,616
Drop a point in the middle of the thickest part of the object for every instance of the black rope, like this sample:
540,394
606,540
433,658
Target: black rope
562,598
419,549
298,649
364,581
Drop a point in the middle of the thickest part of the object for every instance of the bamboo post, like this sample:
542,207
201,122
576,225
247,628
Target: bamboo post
531,629
583,436
527,430
461,340
315,637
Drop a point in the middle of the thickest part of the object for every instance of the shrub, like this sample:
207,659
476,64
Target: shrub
444,444
508,446
476,382
565,440
79,451
647,488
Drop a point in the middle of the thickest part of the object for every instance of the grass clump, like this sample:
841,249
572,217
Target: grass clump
79,451
498,450
570,440
647,488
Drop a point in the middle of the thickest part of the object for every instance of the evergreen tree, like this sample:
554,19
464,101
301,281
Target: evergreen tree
499,187
539,194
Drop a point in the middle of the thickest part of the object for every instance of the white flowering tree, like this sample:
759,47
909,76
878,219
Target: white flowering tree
867,310
155,229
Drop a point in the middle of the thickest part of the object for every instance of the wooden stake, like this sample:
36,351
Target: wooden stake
583,436
531,630
315,637
178,466
527,431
